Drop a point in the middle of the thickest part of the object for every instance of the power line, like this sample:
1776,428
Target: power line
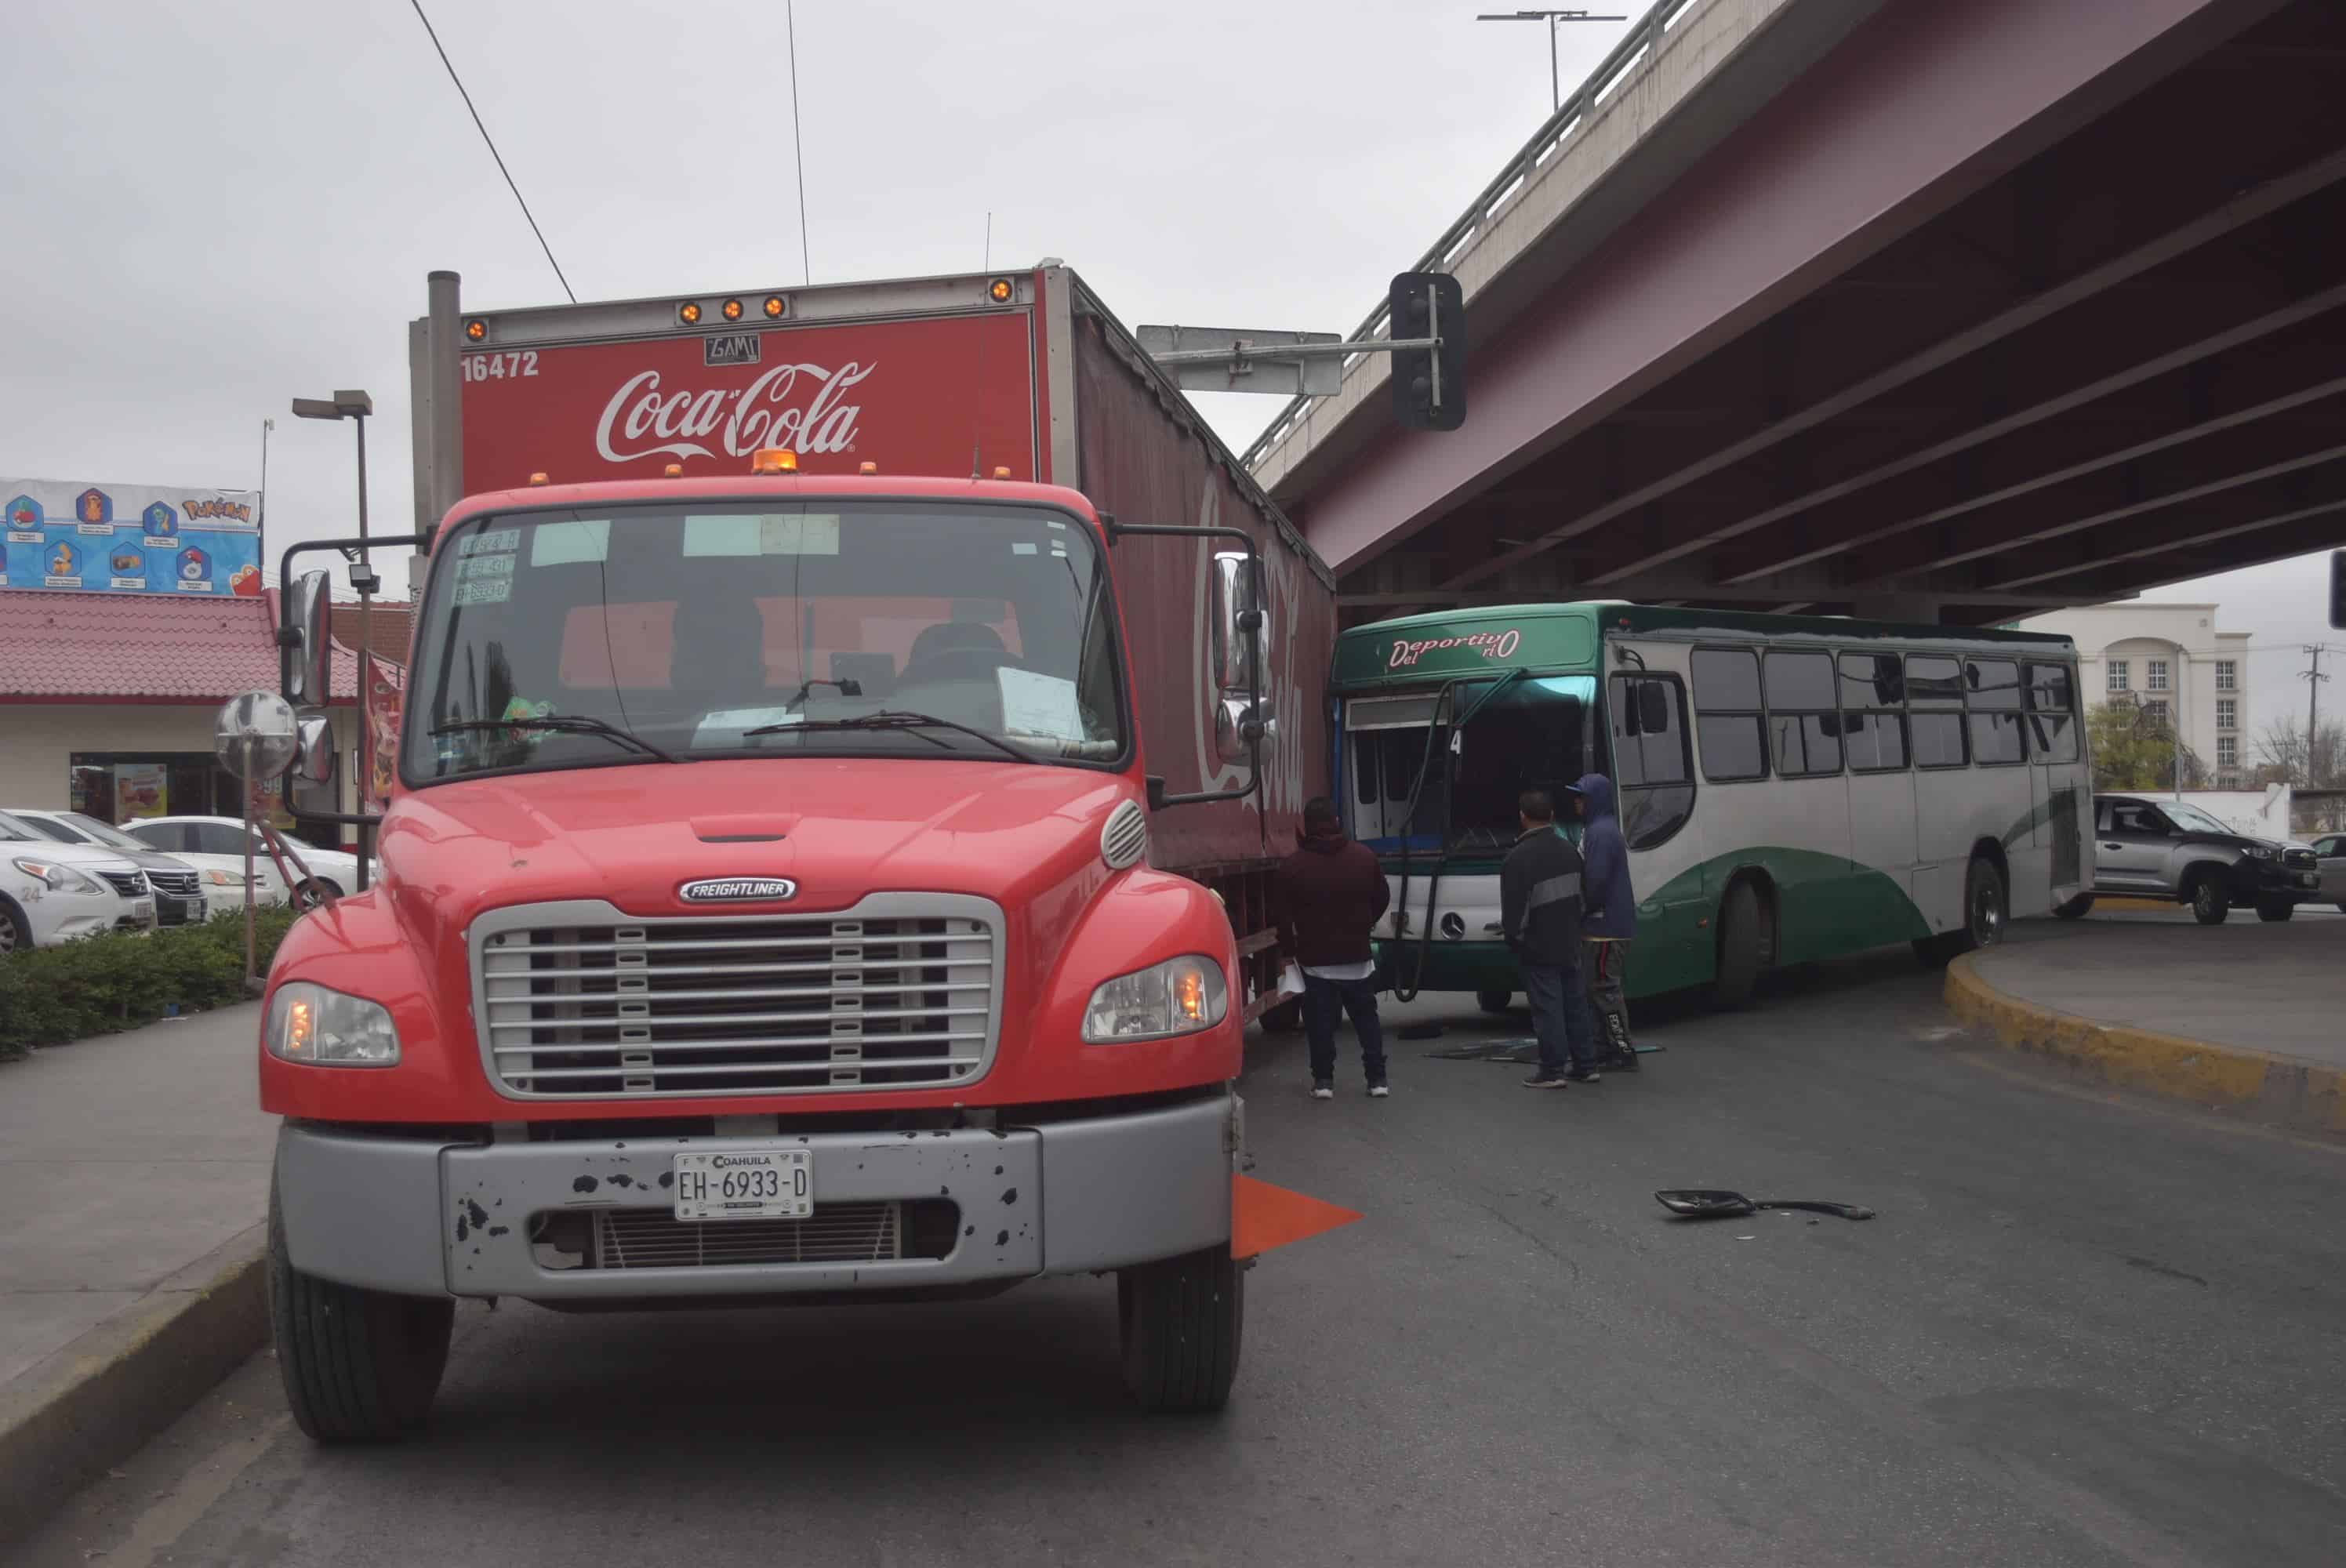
797,143
526,212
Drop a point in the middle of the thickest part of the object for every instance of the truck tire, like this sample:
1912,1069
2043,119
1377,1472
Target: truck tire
2204,891
1493,1001
1287,1018
2272,910
1182,1319
1743,947
359,1366
2077,908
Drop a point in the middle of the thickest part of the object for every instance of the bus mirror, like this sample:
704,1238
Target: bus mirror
302,641
1652,711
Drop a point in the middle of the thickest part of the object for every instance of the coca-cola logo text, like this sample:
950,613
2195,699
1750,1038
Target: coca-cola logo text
799,406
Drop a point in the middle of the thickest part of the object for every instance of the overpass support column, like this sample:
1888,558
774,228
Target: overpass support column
1922,609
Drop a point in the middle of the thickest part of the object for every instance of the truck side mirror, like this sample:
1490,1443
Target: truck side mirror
1237,723
303,652
1242,621
312,788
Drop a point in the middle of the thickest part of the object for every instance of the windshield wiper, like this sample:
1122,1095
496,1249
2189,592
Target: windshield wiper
560,724
897,719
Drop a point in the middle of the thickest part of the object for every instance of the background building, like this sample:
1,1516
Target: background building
2171,661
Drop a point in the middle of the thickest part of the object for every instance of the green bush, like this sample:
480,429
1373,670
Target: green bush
100,984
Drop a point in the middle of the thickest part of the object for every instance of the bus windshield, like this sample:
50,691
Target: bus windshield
708,630
1531,734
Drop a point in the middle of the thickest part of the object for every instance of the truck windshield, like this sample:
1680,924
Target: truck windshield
716,630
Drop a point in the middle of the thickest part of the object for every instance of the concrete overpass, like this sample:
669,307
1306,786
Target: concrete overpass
1884,307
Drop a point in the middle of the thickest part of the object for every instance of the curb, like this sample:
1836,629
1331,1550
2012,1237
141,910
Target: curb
95,1401
2279,1090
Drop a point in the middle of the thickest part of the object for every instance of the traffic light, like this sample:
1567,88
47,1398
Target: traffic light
2337,589
1429,385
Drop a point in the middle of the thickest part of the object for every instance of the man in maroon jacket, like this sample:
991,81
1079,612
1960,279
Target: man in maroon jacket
1331,893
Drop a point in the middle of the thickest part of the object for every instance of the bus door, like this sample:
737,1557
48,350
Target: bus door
1648,720
2056,755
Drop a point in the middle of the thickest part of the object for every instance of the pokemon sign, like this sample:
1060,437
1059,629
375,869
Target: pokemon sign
129,538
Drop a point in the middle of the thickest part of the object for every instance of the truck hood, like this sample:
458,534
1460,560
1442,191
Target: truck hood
839,828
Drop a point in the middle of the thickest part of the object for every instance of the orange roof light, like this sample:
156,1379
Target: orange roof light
731,310
537,478
1000,290
773,460
775,306
867,468
477,329
688,314
674,471
1002,474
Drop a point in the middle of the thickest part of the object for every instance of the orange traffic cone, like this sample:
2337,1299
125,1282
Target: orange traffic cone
1263,1216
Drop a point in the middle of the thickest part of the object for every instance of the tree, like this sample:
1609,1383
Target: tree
2281,743
2136,749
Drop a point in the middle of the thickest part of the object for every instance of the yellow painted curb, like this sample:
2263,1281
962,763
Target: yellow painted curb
2280,1089
64,1419
2148,906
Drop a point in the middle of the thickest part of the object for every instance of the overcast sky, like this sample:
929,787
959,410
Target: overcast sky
232,204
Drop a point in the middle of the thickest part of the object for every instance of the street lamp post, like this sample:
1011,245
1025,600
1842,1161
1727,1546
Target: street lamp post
354,406
1553,18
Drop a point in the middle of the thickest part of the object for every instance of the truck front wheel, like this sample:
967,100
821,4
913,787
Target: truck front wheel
359,1366
1181,1323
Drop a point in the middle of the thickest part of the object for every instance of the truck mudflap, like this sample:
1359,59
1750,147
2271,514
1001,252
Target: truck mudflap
594,1218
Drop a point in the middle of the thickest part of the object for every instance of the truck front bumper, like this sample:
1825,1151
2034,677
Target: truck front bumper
593,1219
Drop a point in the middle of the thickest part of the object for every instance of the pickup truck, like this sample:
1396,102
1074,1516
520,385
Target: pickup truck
2173,850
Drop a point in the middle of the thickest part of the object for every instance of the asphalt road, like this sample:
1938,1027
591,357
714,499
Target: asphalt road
2082,1330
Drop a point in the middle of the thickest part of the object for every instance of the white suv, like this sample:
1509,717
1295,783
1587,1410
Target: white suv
52,892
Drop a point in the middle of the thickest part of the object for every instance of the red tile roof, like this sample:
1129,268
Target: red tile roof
148,647
394,624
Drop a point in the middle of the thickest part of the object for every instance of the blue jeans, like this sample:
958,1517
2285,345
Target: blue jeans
1560,1016
1324,1003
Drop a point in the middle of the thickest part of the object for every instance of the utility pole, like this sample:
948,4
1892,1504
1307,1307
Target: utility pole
2313,678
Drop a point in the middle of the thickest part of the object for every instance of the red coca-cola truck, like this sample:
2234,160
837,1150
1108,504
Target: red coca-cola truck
847,734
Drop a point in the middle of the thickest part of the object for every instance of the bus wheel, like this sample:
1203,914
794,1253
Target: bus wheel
1985,905
2077,908
1493,1001
359,1366
1742,947
1181,1320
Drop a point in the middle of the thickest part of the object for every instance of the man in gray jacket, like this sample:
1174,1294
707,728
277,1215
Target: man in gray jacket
1539,915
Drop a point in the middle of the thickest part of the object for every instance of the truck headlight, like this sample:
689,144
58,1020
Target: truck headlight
325,1028
59,879
2262,852
1180,996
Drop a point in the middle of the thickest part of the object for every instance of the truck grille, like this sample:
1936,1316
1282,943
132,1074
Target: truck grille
2300,860
130,884
583,1002
835,1233
178,884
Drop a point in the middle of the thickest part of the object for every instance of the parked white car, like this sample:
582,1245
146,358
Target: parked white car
178,887
218,842
52,892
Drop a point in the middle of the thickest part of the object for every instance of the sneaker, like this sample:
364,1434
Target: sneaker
1543,1079
1323,1089
1379,1090
1583,1075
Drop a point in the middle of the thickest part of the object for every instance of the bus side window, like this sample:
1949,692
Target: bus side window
1728,714
2052,712
1934,704
1652,769
1873,718
1994,690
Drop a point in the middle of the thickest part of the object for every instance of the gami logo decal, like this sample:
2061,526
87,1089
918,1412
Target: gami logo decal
737,890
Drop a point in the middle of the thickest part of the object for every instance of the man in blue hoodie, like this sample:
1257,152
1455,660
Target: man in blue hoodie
1608,917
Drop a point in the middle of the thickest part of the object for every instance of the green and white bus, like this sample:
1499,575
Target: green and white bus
1791,787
